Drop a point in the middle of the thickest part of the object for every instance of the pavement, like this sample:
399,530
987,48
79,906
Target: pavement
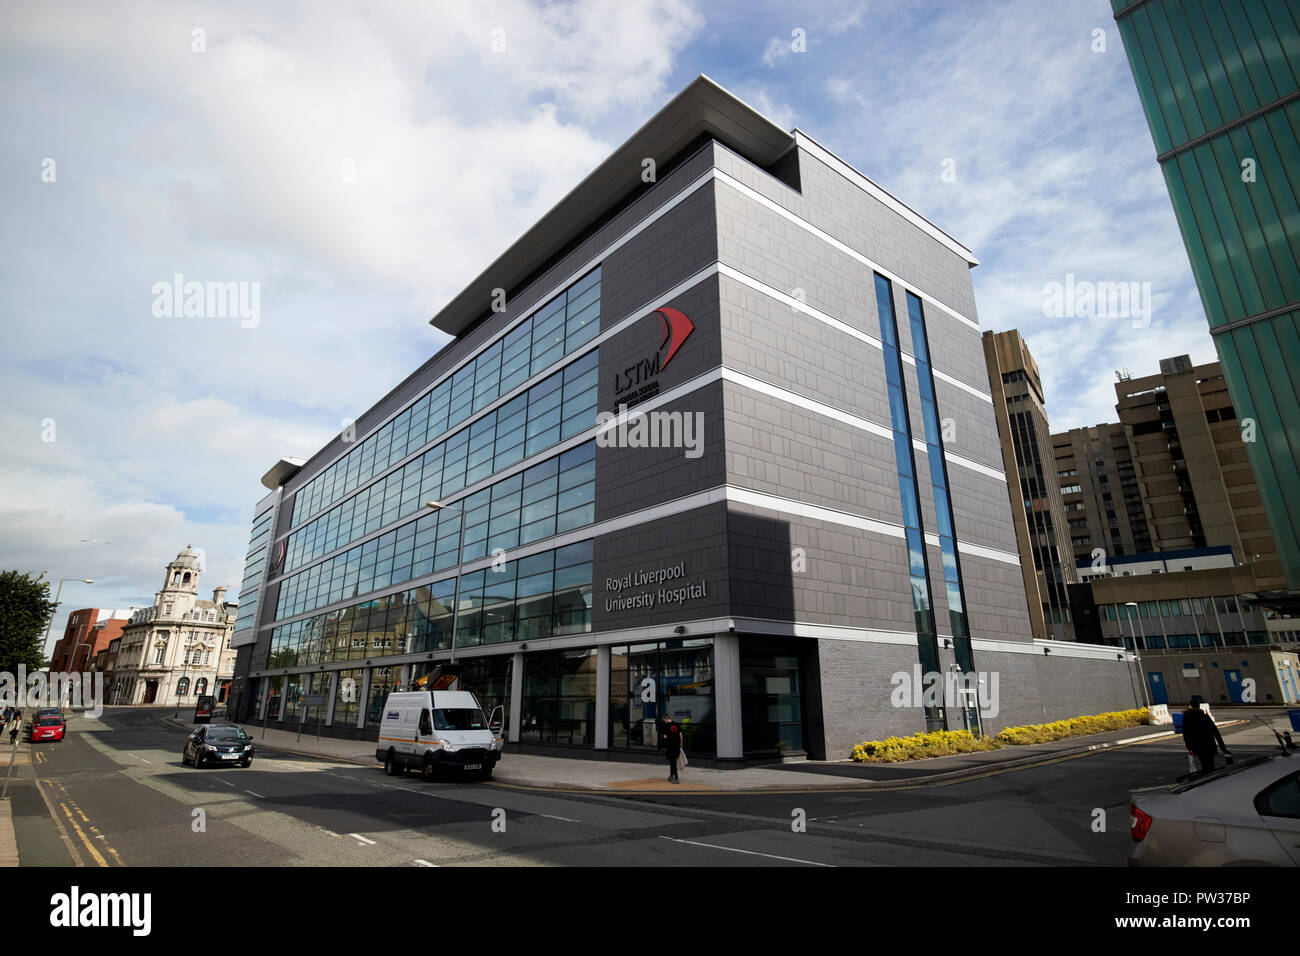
20,756
615,776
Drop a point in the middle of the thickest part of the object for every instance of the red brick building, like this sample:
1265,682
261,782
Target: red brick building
88,632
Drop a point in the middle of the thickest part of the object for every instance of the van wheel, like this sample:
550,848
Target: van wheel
430,770
391,766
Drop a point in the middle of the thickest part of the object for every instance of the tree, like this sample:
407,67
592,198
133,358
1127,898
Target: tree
25,613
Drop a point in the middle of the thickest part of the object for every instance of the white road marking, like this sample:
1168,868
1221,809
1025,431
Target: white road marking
732,849
258,795
551,816
226,782
358,836
426,863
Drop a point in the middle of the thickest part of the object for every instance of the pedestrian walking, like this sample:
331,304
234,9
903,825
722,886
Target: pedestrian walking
15,725
1201,735
672,747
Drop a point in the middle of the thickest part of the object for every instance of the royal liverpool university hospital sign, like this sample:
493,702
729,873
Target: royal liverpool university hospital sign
650,588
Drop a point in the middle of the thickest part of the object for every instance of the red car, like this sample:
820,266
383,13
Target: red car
48,728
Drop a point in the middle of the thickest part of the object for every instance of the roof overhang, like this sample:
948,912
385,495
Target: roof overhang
702,108
282,471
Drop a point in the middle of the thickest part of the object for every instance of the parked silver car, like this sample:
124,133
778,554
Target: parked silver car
1246,814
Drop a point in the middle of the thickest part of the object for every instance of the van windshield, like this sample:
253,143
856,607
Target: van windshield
462,718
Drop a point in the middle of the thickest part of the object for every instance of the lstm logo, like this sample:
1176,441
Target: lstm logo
640,381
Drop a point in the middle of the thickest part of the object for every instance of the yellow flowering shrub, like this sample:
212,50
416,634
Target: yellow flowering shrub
943,743
936,743
1074,727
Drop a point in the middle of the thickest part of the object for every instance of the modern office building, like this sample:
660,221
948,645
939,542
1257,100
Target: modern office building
695,461
1219,81
1099,490
1197,487
1042,529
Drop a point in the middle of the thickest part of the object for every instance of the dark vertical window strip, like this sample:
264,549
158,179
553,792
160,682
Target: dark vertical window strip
918,568
939,482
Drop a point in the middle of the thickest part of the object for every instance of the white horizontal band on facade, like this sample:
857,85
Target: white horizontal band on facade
789,506
1097,652
700,628
958,383
791,302
798,305
828,632
856,421
985,470
977,550
848,250
808,404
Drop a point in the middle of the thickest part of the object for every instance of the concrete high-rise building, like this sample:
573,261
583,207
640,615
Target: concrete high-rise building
1099,489
1196,483
698,464
1219,81
1042,530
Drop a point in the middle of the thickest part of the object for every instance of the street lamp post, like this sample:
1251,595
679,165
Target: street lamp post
1136,650
57,594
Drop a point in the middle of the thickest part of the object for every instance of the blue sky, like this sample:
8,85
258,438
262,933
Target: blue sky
227,164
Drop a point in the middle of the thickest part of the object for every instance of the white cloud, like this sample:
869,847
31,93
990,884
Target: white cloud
229,165
777,51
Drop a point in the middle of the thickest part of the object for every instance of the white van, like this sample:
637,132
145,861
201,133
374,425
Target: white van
438,730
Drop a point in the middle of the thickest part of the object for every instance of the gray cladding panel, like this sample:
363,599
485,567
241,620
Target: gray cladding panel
843,210
777,448
789,349
838,576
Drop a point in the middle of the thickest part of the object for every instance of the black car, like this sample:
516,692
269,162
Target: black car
218,743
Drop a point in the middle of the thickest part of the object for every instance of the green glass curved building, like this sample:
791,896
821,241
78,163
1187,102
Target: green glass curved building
1220,84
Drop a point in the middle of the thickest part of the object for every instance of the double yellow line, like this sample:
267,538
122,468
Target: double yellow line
72,811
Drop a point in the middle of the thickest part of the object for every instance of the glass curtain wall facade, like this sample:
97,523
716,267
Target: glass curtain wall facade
1219,82
434,449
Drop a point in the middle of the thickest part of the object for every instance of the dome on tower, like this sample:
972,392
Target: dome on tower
187,559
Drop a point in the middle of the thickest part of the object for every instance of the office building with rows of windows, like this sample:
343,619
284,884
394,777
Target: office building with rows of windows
727,452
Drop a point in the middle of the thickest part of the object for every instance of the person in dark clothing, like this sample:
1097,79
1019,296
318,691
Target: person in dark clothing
672,746
1201,735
